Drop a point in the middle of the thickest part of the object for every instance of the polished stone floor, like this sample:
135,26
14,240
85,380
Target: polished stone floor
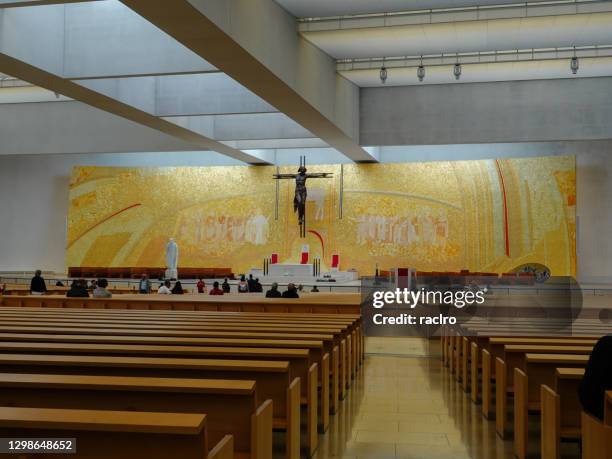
403,405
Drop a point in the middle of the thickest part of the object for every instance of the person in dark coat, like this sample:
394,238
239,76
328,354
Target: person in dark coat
257,287
597,378
251,283
291,292
37,284
273,292
178,288
78,289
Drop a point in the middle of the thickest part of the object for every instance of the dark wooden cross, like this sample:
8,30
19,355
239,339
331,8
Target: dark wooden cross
299,200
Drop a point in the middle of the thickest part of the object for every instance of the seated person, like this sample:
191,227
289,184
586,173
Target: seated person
273,292
59,284
257,287
178,288
243,286
100,291
164,289
216,290
78,289
314,289
225,286
201,286
37,284
291,292
597,378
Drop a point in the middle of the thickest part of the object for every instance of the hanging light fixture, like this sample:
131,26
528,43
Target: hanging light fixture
383,73
421,70
457,69
574,64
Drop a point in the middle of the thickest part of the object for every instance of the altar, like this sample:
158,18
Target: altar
290,270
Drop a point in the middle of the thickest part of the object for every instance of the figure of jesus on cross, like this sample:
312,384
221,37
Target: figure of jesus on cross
299,199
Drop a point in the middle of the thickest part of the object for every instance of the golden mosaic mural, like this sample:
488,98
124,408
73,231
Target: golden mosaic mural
484,216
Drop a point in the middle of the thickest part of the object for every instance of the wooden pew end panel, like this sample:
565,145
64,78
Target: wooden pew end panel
261,441
224,449
550,422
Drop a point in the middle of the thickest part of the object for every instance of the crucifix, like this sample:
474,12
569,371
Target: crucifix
299,200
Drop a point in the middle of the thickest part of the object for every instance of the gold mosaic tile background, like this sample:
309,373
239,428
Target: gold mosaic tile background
438,216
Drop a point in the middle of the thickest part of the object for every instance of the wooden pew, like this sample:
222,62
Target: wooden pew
201,318
116,434
230,405
493,347
514,357
326,304
560,411
178,313
331,371
299,360
329,398
353,321
596,438
352,355
339,359
340,332
273,378
538,369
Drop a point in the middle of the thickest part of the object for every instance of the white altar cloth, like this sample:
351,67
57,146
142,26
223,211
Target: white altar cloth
289,270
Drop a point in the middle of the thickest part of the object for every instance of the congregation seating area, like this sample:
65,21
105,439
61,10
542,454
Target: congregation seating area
168,383
153,273
518,375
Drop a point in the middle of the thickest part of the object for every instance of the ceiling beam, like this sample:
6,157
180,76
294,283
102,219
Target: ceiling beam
39,77
25,3
256,44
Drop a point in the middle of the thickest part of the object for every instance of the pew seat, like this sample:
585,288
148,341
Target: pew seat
273,378
116,434
230,405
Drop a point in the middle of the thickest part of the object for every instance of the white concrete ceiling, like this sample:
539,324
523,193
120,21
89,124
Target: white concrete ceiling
469,36
325,8
363,44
